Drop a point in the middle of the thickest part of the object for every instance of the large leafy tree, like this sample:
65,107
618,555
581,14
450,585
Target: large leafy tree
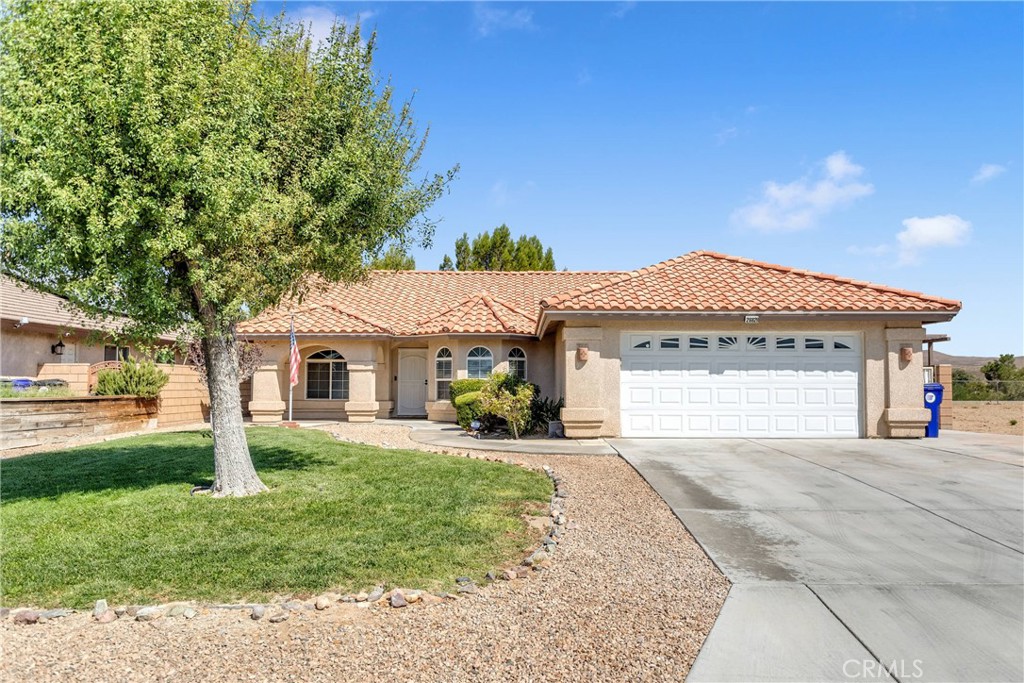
498,250
395,258
183,163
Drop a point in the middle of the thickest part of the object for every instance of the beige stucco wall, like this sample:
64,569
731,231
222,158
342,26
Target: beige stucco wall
891,389
373,369
23,351
540,365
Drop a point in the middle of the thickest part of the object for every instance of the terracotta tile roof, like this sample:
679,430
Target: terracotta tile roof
406,303
410,303
708,281
480,314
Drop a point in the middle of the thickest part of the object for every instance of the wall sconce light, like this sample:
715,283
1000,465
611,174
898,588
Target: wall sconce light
906,353
58,348
582,353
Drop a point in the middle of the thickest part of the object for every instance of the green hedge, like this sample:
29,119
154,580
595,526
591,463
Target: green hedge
132,379
465,386
467,407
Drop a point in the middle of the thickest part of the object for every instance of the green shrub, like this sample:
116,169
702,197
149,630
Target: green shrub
507,397
144,380
465,386
467,408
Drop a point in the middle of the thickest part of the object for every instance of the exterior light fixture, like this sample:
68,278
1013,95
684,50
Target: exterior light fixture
751,319
58,348
582,353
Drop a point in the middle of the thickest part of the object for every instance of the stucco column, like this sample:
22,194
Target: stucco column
584,411
362,403
905,413
267,404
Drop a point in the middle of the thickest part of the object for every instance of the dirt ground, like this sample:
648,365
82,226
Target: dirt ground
989,417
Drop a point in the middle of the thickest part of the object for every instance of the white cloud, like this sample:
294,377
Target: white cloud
622,9
987,172
798,205
948,230
319,19
877,250
489,19
723,136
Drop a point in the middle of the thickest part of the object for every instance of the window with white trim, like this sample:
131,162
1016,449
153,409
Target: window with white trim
479,362
670,342
699,343
327,376
517,363
814,344
443,373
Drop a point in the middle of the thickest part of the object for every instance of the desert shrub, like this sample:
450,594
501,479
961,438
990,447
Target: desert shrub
467,408
143,379
464,386
542,411
506,397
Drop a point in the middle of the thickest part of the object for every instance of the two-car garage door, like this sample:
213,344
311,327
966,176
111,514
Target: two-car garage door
732,385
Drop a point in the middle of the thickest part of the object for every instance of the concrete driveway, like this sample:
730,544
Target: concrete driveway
854,559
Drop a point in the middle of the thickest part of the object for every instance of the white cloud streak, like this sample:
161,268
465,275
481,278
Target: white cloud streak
795,206
948,230
489,19
319,19
986,173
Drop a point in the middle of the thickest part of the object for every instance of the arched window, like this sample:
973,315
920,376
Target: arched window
517,363
327,376
479,363
443,373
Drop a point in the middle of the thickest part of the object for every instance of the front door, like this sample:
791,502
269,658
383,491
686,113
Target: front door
412,382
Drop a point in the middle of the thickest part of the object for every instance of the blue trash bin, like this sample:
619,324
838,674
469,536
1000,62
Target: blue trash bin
932,401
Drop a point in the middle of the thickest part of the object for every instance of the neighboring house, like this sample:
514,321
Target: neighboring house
701,345
38,328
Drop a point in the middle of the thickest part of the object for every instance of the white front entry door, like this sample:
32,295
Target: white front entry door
412,382
711,384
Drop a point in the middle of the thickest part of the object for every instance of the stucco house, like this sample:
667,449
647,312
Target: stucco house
37,328
703,345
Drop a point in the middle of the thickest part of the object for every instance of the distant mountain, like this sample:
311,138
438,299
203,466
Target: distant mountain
969,363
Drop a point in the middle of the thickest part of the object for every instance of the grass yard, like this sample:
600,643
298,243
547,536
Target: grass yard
116,521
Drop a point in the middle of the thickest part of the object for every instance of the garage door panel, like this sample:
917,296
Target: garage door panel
708,384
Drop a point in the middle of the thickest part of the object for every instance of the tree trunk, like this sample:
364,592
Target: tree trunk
234,474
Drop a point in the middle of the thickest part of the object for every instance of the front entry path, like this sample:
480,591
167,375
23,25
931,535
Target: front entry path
854,560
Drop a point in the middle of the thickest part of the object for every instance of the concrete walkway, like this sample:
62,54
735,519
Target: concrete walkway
854,559
448,435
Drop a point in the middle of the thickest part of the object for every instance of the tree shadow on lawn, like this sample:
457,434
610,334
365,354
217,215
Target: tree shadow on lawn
136,463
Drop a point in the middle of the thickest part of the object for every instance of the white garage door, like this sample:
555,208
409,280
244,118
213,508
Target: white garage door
730,385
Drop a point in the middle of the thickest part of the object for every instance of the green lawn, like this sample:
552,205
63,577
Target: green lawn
115,520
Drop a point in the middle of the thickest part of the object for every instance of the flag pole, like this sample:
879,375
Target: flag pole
291,385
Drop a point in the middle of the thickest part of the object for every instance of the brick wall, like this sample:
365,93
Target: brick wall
184,399
75,374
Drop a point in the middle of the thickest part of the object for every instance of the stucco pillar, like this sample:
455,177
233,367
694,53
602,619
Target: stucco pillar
267,404
584,412
905,413
362,403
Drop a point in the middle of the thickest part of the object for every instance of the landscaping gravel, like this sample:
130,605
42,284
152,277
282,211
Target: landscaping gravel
628,595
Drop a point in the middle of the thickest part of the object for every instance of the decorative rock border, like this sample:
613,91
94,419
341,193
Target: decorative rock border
538,560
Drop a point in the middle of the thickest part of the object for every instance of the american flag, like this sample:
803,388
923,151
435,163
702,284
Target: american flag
294,360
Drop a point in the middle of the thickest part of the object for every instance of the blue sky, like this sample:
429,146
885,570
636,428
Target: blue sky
878,141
